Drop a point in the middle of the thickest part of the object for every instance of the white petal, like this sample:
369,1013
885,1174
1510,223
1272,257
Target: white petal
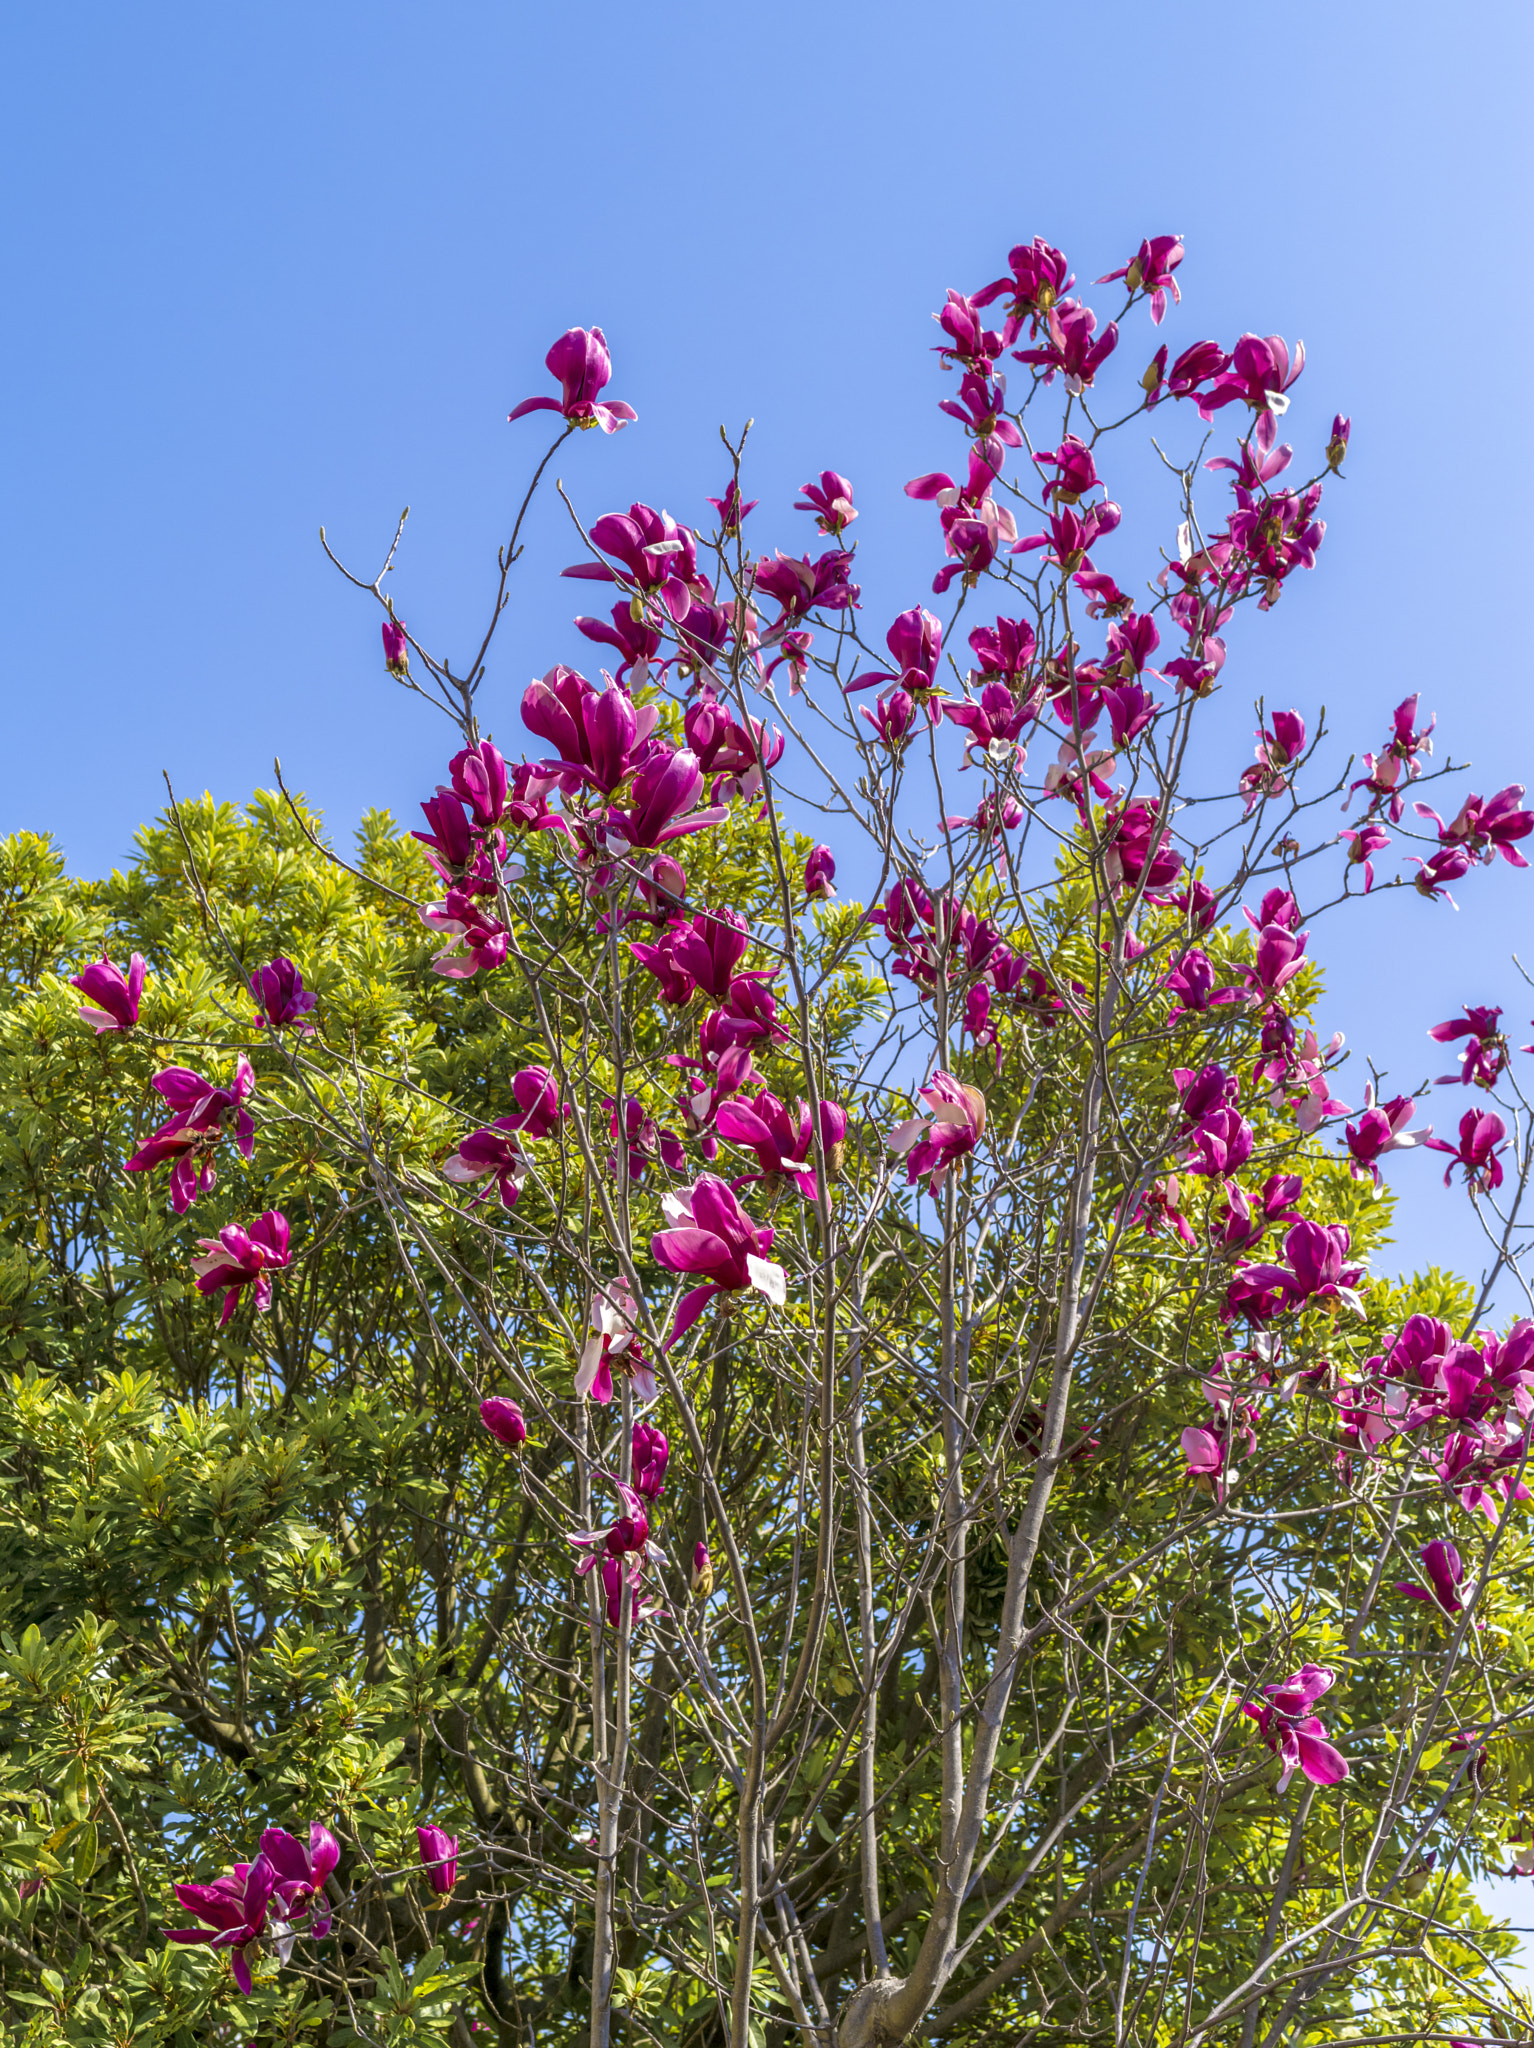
768,1278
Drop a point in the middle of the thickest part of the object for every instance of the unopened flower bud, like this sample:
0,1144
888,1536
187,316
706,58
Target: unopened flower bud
504,1420
702,1572
396,648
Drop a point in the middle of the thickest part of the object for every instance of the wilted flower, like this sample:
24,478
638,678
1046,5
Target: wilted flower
950,1132
610,1343
1294,1733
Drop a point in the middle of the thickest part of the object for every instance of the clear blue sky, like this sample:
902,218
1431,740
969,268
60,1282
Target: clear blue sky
278,266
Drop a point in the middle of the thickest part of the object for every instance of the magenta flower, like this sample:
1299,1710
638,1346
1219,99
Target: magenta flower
237,1259
1260,376
1398,757
1445,1570
1131,710
1488,827
1485,1056
782,1144
1039,277
981,408
1220,1143
712,1236
970,341
1278,958
1150,270
504,1419
584,368
618,1555
749,1016
819,875
666,790
1193,980
476,940
1315,1273
659,558
1381,1130
802,586
1137,847
1481,1132
831,498
396,646
1070,348
282,1001
933,1143
1196,366
1337,446
1075,471
112,1001
709,949
892,717
611,1344
734,753
650,1453
598,735
995,724
202,1113
1004,652
677,986
439,1858
1294,1733
479,780
1202,1450
1448,865
915,641
1362,846
233,1911
301,1877
731,511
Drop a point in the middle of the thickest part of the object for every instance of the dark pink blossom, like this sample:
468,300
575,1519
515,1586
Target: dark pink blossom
1487,828
636,641
649,1455
1485,1056
476,939
237,1259
580,361
1040,275
1196,366
112,999
1075,471
1481,1134
1380,1130
202,1116
732,512
994,725
819,875
970,341
801,586
981,408
892,717
1194,981
948,1134
658,558
783,1143
711,1236
439,1858
396,646
1445,1571
1003,652
233,1911
282,1001
1150,269
1294,1733
504,1420
1449,864
1071,348
1362,844
666,790
1260,375
1137,847
1397,758
831,499
612,1345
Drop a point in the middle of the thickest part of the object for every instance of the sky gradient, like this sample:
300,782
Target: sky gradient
282,267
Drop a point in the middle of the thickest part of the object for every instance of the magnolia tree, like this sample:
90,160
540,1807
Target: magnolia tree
608,1443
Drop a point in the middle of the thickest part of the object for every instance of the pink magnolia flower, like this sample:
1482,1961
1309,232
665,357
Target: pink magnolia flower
1039,277
783,1144
611,1343
112,999
1294,1733
476,939
1362,845
282,1001
666,790
1485,1056
580,361
915,641
1381,1130
1487,827
1075,471
892,717
619,1554
1260,376
650,1452
1448,865
237,1259
233,1911
1003,652
736,753
731,510
1445,1570
819,875
1138,848
949,1133
396,647
710,948
1481,1133
1160,1207
969,339
1205,1457
658,558
504,1420
439,1858
802,586
981,408
1193,980
202,1114
599,735
1150,270
831,498
1278,957
479,780
1397,758
994,725
299,1892
1315,1273
710,1235
1070,348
